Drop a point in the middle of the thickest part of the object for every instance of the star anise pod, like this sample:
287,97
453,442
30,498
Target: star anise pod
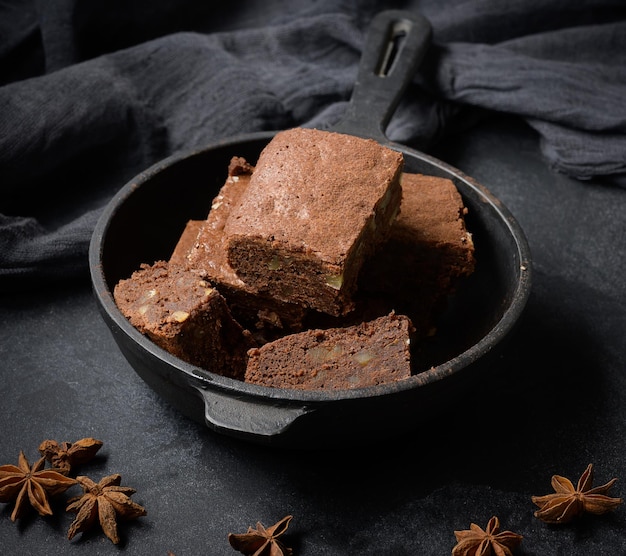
26,484
105,501
567,502
66,455
262,541
490,542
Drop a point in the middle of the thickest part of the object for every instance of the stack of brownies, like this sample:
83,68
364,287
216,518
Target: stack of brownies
317,268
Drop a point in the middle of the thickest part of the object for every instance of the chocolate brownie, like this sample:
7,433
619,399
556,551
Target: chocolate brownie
180,312
193,245
428,253
367,354
205,250
186,242
317,205
332,281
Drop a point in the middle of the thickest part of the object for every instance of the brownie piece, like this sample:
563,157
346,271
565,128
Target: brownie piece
180,312
428,253
318,203
186,242
191,246
367,354
207,249
204,249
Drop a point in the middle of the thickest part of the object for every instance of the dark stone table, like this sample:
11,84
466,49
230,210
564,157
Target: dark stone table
557,404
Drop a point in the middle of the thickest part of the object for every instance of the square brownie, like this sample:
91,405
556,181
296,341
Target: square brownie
317,205
427,254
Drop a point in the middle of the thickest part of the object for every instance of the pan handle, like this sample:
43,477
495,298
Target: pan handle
254,419
394,47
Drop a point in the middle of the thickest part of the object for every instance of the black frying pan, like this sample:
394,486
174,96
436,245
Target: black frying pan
144,220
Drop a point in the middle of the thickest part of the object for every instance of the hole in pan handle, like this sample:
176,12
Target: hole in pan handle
395,45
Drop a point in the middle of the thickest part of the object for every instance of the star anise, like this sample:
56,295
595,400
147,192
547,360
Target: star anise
26,484
66,455
490,542
106,501
262,541
567,502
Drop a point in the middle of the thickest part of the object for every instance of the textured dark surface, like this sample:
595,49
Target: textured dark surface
558,404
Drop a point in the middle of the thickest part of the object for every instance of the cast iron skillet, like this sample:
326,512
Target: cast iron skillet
144,220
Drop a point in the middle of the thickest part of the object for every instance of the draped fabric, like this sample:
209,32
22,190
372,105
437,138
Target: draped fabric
92,93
